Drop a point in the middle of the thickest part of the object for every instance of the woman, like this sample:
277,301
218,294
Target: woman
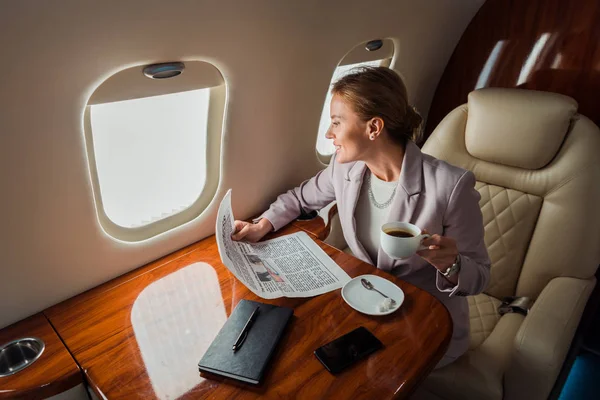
379,175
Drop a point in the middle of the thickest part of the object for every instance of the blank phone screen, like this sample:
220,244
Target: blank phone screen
347,349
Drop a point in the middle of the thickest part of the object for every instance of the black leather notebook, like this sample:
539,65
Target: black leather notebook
248,363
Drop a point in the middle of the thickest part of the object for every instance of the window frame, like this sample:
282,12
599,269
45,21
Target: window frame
216,114
358,54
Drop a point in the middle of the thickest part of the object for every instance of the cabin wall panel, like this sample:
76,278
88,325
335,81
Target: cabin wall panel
277,58
548,45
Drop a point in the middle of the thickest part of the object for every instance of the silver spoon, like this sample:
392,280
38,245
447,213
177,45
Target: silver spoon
369,286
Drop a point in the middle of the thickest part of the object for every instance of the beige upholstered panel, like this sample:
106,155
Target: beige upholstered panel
483,315
478,374
569,217
542,342
509,217
510,128
542,229
567,234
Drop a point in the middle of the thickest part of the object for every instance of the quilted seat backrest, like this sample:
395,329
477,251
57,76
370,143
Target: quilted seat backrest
509,218
538,173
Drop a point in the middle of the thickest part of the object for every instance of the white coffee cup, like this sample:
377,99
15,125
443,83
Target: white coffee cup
398,247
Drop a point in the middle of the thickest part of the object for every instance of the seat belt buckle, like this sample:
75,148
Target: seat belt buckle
514,304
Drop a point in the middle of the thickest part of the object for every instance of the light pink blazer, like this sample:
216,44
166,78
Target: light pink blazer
431,194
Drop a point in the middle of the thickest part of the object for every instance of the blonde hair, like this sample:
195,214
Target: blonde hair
379,92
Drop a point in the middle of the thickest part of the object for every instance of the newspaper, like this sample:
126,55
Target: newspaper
288,266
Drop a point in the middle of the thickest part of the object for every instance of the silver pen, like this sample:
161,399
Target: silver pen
244,333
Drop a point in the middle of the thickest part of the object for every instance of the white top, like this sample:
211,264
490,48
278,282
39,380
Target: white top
369,218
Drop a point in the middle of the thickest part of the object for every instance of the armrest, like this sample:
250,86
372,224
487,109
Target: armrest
319,226
542,342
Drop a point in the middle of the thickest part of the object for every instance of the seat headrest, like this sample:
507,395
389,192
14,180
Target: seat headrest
517,127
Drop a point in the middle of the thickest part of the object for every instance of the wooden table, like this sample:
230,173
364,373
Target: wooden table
142,334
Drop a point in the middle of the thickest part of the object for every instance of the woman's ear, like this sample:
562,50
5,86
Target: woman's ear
374,127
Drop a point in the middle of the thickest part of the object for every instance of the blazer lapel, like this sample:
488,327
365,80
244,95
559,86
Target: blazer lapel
352,185
407,196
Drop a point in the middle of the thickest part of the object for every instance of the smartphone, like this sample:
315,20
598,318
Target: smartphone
346,350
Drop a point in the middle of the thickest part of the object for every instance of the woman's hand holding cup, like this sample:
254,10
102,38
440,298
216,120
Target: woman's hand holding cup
400,240
440,251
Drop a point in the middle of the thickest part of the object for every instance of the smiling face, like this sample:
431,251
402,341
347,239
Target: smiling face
349,133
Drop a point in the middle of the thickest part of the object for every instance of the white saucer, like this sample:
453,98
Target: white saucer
367,301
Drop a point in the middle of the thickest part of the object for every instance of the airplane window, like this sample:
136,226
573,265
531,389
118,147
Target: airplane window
153,147
363,54
150,155
325,146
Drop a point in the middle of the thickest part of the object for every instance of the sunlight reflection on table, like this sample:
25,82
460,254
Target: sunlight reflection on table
174,320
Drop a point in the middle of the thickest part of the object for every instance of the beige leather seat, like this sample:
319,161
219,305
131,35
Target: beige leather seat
538,169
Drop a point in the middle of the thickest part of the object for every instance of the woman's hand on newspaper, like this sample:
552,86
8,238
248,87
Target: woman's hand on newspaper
250,232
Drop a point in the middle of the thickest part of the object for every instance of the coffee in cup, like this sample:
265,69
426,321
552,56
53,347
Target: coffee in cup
401,240
398,233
